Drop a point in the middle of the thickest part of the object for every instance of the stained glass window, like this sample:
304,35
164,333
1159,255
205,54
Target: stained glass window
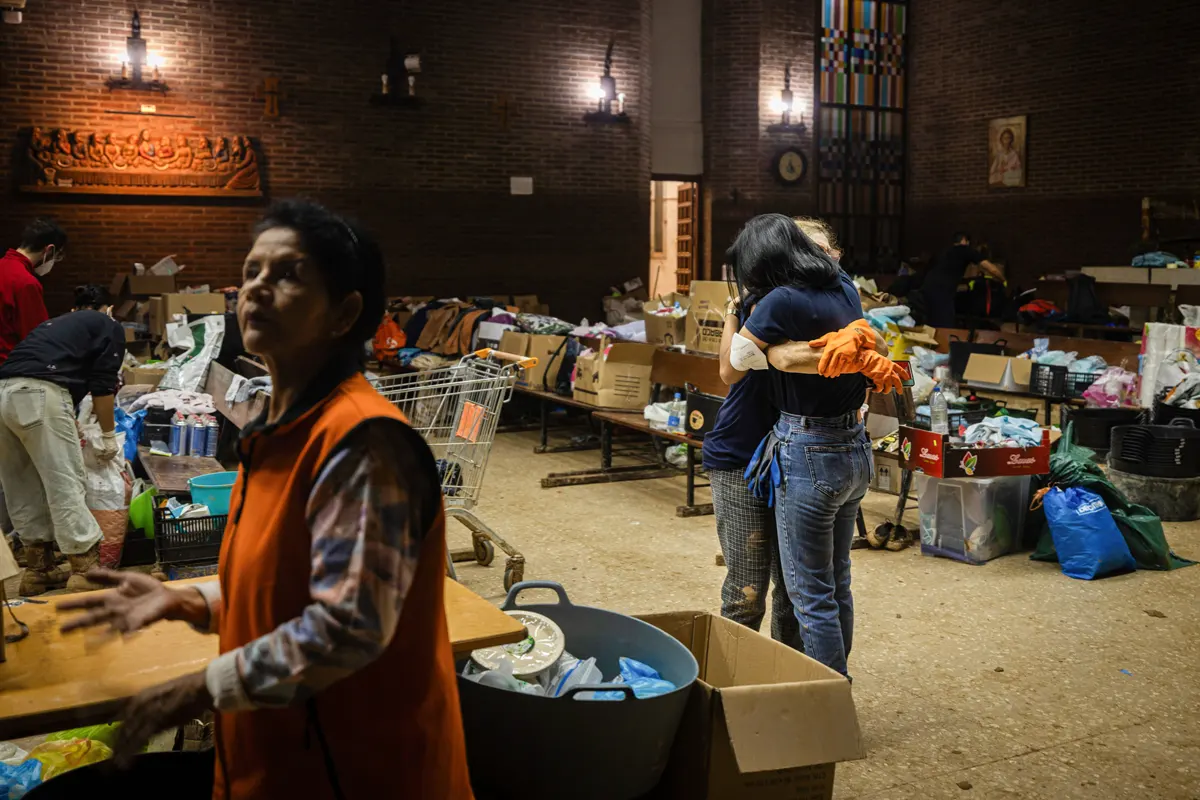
861,128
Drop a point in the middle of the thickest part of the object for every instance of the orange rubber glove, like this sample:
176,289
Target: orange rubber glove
881,371
842,348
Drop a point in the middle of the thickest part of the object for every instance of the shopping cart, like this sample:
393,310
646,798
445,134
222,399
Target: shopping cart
456,410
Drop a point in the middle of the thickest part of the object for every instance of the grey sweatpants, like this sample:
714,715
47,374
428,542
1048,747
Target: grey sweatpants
746,528
41,466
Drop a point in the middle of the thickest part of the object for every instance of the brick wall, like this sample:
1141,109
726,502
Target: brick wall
433,182
746,45
1109,89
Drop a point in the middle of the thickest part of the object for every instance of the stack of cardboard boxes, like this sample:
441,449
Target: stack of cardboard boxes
145,303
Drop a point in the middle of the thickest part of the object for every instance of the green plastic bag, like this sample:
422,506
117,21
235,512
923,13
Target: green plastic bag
101,733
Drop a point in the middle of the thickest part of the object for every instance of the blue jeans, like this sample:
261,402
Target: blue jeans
826,468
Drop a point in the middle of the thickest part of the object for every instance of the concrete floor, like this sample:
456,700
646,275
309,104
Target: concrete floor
1009,678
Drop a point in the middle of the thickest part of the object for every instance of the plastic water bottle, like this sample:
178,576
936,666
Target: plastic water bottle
939,413
678,410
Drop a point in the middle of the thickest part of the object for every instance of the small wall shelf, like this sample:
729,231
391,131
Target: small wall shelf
605,118
401,100
130,84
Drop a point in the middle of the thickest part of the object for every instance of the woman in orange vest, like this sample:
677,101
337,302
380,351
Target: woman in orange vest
336,677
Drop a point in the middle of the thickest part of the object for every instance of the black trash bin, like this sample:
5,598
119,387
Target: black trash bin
537,748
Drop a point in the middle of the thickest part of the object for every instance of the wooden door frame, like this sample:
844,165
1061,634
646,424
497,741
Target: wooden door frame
701,252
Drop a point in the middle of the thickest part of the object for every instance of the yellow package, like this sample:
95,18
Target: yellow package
60,757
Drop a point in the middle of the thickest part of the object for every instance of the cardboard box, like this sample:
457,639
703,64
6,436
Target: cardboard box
763,722
935,455
163,309
620,379
706,317
541,347
665,329
887,472
126,284
144,375
997,372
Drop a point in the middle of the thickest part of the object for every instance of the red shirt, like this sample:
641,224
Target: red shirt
21,305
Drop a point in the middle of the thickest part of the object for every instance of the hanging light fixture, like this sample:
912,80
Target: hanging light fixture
787,106
604,93
136,59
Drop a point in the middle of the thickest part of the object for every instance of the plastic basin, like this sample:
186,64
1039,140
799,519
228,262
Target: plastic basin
213,490
509,734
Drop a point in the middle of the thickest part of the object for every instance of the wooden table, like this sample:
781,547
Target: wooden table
172,473
52,682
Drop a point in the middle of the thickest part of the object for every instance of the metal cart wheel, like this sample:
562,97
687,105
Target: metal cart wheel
485,552
514,572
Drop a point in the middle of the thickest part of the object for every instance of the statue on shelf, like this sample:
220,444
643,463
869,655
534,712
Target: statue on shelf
142,162
62,150
183,153
112,152
95,148
203,155
79,150
146,148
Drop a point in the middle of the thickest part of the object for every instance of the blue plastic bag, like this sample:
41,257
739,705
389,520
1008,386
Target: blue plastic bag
131,426
1087,540
16,781
644,679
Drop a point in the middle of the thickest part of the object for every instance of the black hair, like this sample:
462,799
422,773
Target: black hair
91,296
349,259
772,251
41,233
960,235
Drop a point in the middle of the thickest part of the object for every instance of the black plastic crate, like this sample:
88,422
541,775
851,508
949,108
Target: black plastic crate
1048,380
191,540
702,411
1079,382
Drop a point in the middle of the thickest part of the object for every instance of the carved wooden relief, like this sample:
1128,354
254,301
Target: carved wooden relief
141,163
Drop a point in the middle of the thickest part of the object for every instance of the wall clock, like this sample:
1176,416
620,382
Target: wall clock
791,165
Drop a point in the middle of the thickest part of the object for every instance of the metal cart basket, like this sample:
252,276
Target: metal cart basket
456,410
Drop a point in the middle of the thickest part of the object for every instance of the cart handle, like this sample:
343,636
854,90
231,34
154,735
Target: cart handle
524,362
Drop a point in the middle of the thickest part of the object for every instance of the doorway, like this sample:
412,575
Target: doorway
674,235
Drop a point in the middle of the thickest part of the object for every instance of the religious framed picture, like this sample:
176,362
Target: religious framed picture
1006,152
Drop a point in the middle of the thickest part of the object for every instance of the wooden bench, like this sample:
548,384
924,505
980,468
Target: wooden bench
607,473
670,369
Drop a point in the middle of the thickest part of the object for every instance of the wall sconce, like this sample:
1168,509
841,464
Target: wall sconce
398,84
786,105
605,93
131,76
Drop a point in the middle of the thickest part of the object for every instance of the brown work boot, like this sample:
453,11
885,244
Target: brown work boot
80,565
41,575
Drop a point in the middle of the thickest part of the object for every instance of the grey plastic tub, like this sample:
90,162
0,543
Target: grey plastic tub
529,747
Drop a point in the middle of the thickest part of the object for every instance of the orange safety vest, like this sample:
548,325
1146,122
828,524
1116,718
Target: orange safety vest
394,728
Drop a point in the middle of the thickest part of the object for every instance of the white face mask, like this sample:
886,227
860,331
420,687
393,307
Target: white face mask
46,265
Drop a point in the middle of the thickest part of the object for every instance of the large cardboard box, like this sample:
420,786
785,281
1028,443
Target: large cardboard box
148,375
618,379
665,329
163,309
1002,373
706,317
764,722
541,347
887,472
126,284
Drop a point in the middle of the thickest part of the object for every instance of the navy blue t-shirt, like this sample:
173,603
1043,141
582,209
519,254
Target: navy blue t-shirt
744,419
800,315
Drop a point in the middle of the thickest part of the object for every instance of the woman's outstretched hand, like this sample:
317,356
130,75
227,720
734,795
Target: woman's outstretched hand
156,709
135,601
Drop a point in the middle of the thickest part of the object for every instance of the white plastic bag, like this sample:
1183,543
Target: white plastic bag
105,487
187,371
922,387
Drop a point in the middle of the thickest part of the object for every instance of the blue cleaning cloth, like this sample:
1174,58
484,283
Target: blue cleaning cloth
996,430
